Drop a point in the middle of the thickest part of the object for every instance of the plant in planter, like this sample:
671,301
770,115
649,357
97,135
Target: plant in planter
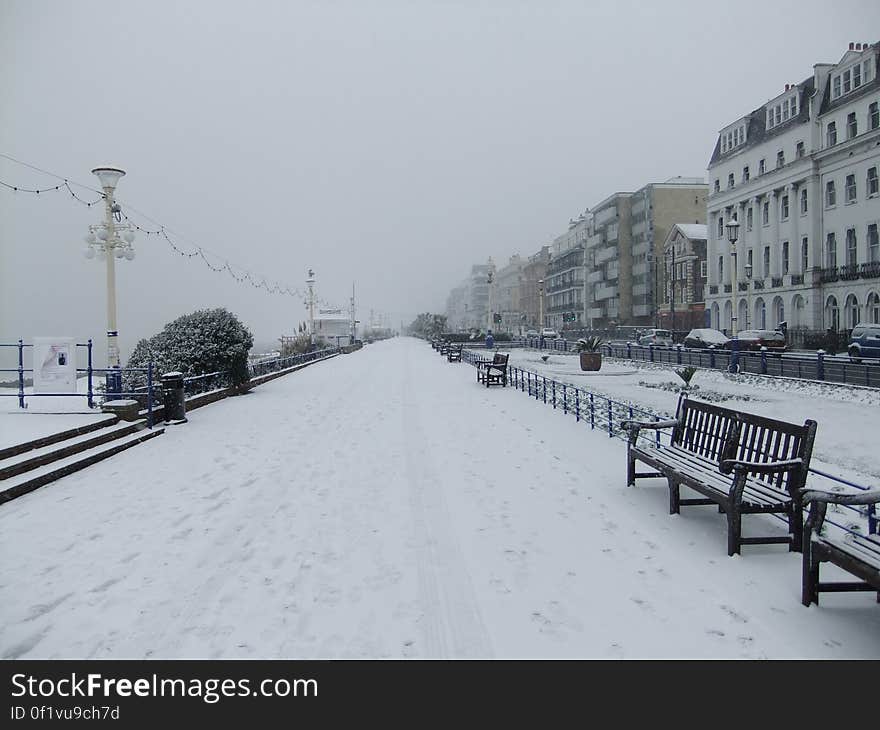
590,352
686,374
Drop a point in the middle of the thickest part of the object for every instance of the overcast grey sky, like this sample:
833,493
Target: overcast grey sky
388,143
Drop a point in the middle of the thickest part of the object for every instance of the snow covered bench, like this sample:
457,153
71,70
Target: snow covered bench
494,371
857,554
743,463
453,354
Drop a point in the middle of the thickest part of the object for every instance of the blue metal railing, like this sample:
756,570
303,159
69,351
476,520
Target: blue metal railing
146,393
607,414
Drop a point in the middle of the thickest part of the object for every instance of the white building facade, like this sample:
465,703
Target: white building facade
799,174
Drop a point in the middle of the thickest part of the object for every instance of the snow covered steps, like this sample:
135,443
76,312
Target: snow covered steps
22,473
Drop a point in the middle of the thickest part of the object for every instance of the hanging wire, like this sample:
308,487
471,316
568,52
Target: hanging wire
161,230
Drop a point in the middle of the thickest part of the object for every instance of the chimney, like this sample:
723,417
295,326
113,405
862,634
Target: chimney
852,46
858,46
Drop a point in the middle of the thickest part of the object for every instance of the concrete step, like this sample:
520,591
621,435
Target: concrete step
55,438
31,480
20,463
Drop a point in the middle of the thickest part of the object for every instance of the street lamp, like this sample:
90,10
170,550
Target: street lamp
748,270
732,235
541,312
489,316
672,288
110,240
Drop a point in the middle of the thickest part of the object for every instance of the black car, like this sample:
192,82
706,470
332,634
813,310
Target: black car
702,338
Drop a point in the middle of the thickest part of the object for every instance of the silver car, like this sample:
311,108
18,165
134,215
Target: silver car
656,337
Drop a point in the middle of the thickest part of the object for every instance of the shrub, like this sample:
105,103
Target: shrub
589,344
206,341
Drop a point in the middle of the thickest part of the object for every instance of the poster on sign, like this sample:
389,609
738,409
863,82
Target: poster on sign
54,365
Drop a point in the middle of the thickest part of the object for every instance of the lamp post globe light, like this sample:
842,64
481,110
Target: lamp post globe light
732,236
108,241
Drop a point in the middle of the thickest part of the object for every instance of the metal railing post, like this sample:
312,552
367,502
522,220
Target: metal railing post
90,382
592,412
20,373
820,365
577,405
763,360
564,399
553,386
150,394
610,431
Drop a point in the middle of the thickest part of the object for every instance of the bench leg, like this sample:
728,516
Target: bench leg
734,530
674,497
796,528
810,578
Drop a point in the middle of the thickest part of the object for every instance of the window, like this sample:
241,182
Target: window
852,311
730,183
830,194
872,308
835,89
721,269
799,150
746,174
749,219
785,207
766,261
720,228
873,244
852,126
784,258
850,189
702,269
872,182
874,116
832,314
851,247
847,81
780,158
717,186
831,251
803,201
831,134
749,257
857,76
868,67
765,214
805,254
761,167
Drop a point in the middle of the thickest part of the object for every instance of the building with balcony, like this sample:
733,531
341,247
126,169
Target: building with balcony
506,296
534,274
800,175
564,281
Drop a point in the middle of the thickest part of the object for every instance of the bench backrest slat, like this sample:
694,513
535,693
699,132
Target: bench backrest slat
718,433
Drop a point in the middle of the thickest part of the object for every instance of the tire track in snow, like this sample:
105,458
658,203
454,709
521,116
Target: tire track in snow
453,624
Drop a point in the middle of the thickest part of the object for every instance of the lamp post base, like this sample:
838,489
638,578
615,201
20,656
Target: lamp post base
733,367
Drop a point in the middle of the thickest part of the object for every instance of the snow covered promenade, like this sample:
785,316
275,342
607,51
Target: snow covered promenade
382,504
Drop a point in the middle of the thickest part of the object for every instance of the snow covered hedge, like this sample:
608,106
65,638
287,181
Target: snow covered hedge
206,341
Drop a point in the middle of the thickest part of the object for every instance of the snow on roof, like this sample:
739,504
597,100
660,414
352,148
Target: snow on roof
694,231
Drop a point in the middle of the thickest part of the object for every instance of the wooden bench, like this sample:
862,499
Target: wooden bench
494,371
743,463
454,353
856,554
443,348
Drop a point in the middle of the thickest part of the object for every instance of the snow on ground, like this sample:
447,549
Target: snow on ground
382,504
44,415
847,416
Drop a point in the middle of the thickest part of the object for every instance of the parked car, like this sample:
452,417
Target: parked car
864,342
656,337
532,334
548,333
756,339
705,338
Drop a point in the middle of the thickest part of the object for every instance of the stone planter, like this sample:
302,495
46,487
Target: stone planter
591,360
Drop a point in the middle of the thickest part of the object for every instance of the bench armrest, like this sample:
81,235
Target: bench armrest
757,467
871,496
630,425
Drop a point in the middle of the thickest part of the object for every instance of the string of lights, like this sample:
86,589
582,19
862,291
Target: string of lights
238,273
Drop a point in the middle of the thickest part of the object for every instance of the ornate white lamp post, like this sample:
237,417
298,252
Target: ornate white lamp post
748,271
111,240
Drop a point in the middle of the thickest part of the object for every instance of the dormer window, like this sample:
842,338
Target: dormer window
730,182
782,111
733,138
852,78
